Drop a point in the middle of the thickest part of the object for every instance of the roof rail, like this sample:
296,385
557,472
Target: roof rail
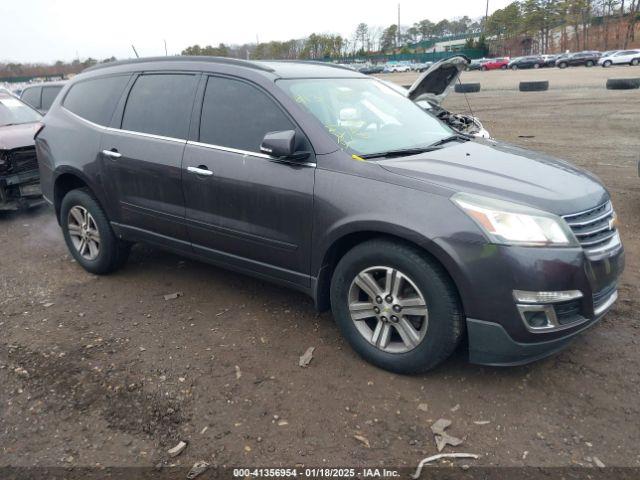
311,62
182,58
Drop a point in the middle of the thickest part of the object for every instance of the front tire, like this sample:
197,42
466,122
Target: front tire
88,234
396,306
607,64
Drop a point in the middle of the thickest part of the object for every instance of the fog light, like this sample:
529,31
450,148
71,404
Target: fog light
522,296
536,319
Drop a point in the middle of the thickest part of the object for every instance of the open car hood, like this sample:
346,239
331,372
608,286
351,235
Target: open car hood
438,80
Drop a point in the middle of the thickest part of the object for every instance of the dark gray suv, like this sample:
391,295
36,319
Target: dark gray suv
330,182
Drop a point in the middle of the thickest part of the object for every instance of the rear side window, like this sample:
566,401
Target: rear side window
49,94
95,100
238,115
32,96
160,104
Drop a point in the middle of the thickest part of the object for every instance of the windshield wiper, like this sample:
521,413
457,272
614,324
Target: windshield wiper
451,138
405,152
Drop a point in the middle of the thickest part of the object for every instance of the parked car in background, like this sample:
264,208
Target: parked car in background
370,69
324,180
40,96
397,67
476,64
533,61
549,60
621,57
587,59
496,64
19,176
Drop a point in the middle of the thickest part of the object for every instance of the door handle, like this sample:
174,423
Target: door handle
113,153
200,170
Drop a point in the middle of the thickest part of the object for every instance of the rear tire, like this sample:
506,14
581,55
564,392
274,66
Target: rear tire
88,234
589,64
418,278
562,65
635,62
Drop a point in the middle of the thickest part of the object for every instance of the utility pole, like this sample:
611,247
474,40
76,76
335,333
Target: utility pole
398,32
486,16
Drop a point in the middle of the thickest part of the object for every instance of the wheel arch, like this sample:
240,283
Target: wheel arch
67,179
346,240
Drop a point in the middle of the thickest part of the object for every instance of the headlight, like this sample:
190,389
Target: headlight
514,224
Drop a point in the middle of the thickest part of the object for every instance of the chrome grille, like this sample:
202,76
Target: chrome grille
595,229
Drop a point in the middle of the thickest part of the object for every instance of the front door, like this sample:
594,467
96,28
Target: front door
243,207
143,157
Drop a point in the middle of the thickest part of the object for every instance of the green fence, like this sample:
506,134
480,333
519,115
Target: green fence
411,57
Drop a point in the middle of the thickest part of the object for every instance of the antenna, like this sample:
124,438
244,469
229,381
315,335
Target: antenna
165,48
135,51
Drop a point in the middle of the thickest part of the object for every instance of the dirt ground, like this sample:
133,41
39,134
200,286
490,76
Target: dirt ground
105,371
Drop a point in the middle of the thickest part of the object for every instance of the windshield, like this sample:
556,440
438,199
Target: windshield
13,112
364,115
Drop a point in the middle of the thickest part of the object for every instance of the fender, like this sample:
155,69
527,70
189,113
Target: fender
95,186
374,228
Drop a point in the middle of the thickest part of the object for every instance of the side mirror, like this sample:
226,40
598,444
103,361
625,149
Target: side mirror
279,144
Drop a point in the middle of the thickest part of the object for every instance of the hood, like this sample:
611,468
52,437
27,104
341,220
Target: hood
506,172
438,80
17,136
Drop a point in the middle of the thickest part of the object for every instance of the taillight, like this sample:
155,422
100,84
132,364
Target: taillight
39,128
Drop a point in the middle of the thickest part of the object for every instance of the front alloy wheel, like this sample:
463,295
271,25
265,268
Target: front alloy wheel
396,306
388,309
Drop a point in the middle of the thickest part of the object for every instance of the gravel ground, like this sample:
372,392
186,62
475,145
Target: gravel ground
105,371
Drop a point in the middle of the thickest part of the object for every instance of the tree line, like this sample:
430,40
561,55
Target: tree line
558,25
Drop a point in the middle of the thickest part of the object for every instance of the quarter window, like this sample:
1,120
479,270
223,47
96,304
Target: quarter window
238,115
32,96
95,100
160,104
49,94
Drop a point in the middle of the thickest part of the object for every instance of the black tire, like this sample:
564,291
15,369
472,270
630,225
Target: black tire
563,65
623,83
635,62
607,64
467,87
536,65
112,253
589,64
445,323
514,67
541,86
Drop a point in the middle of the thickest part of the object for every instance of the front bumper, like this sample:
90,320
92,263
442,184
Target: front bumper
490,344
20,190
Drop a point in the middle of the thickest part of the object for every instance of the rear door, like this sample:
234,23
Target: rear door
143,153
248,209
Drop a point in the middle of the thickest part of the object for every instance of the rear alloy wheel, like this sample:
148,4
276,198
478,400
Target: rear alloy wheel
88,234
635,62
396,306
83,232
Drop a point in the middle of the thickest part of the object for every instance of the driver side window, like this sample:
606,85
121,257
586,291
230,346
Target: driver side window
237,115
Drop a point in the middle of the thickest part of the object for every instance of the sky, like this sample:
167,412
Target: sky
50,30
